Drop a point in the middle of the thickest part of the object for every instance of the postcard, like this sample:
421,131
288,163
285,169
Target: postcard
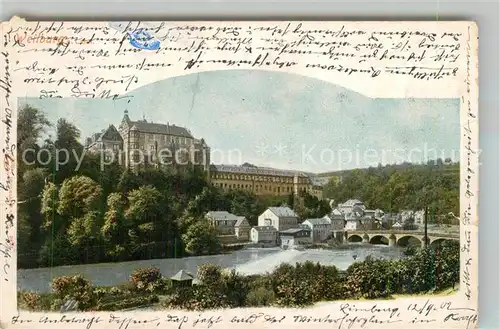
239,174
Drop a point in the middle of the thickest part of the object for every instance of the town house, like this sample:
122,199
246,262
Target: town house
264,235
223,222
321,228
242,228
357,220
282,218
292,237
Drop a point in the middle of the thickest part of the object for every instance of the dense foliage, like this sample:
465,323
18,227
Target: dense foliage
78,211
392,188
299,285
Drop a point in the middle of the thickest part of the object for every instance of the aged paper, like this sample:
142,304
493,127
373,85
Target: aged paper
262,111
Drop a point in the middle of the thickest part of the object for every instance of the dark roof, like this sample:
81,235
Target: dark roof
283,212
358,211
251,169
294,230
318,221
110,134
158,128
240,221
222,215
265,228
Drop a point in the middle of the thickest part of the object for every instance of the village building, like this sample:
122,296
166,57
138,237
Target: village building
321,228
292,237
224,222
282,218
357,220
265,236
337,224
411,217
242,228
397,226
348,206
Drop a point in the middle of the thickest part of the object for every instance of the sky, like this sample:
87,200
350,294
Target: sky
279,120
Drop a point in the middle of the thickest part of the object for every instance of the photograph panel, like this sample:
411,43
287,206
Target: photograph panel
239,173
252,187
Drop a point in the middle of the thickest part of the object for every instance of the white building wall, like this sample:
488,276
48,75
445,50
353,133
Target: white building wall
351,225
268,218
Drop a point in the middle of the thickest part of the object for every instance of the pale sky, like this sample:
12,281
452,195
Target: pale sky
280,120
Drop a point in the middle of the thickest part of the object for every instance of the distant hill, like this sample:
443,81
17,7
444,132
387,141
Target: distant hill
395,187
445,165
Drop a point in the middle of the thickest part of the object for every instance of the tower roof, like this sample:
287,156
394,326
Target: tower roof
182,276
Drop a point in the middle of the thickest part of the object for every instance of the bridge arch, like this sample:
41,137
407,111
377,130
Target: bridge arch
379,239
436,243
409,240
355,238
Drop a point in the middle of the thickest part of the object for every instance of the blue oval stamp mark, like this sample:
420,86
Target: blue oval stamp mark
143,40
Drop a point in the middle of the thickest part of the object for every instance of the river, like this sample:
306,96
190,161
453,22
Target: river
245,261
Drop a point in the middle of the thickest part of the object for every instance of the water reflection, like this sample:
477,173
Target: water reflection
256,260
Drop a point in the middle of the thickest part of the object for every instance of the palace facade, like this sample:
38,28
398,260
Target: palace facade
263,180
149,143
137,144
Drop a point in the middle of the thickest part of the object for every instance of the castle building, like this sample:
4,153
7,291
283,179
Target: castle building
263,180
143,143
108,140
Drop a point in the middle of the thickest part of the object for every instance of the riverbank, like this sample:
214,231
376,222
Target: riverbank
281,283
248,260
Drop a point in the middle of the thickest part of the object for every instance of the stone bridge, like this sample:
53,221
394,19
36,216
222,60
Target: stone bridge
399,238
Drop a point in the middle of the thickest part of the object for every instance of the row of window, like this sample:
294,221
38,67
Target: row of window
257,188
261,178
161,138
283,221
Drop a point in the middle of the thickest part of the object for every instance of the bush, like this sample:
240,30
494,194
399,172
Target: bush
370,279
34,301
74,287
448,264
422,271
210,274
31,300
147,279
180,298
236,288
207,297
128,302
306,284
259,297
410,251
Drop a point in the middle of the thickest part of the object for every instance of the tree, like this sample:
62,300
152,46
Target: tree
77,196
245,203
147,214
31,124
50,204
67,135
145,205
30,192
83,231
115,227
207,200
201,239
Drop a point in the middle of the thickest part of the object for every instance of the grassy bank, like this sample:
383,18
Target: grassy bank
427,271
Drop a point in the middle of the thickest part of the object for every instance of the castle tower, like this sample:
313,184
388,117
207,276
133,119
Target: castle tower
296,184
124,130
